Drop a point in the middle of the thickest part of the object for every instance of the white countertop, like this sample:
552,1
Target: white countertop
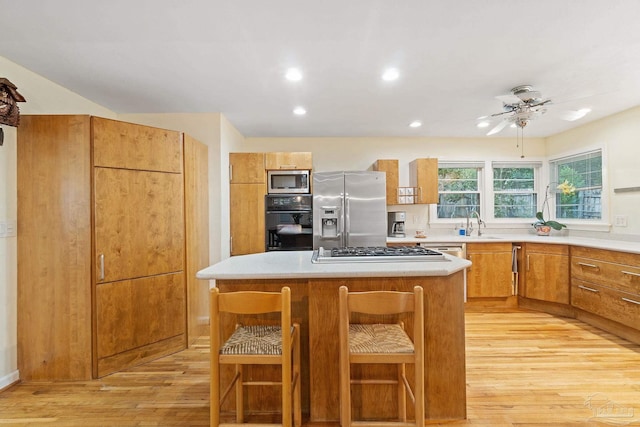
609,244
297,264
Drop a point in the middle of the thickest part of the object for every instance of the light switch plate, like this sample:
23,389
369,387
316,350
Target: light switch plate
620,221
3,229
11,229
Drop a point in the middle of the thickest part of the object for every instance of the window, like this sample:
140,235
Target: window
458,189
584,172
514,190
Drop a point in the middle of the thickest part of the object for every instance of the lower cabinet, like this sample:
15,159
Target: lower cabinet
138,313
246,202
491,272
606,283
546,272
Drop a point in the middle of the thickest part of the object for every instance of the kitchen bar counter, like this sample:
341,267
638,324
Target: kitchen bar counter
297,264
314,289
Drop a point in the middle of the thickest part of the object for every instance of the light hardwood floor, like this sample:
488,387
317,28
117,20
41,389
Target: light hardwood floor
524,369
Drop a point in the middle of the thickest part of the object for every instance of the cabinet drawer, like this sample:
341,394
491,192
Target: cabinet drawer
622,277
489,247
619,306
547,248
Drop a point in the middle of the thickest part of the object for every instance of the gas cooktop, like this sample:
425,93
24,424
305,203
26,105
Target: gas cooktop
376,254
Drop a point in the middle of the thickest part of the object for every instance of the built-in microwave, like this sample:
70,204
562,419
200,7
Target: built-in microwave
288,181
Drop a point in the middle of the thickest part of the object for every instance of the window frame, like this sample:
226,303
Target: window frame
601,224
451,164
538,168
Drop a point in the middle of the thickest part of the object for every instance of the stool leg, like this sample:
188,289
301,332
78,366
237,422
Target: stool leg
215,392
402,393
297,400
345,391
240,394
286,391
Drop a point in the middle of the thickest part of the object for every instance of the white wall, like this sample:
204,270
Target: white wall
43,97
619,136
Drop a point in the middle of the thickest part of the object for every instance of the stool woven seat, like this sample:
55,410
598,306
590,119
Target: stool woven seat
256,339
260,344
379,338
382,343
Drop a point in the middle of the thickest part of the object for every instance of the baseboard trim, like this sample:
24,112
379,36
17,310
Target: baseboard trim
9,380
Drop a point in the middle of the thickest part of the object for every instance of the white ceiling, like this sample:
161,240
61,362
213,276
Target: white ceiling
164,56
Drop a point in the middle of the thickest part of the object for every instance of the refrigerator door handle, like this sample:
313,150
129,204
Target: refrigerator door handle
345,219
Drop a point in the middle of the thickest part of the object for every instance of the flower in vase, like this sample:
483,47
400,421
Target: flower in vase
567,189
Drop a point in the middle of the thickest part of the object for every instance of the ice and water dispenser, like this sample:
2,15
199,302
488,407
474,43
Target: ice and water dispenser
329,220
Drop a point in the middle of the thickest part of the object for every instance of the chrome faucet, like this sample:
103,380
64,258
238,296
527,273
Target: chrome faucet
480,222
469,229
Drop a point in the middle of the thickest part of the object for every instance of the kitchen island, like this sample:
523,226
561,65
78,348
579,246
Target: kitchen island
314,295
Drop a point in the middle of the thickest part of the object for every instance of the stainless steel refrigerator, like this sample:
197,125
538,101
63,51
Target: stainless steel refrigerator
349,209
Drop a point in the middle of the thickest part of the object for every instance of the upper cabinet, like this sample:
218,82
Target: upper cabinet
128,146
423,175
390,167
290,161
246,168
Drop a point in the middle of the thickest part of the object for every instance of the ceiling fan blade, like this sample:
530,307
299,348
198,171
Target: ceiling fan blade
541,103
500,114
498,127
509,99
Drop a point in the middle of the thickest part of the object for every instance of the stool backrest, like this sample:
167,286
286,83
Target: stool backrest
384,303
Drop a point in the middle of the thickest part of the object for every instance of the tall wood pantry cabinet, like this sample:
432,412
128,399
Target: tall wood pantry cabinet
101,246
247,187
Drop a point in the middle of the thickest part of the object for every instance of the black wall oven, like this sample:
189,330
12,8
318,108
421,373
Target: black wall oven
289,222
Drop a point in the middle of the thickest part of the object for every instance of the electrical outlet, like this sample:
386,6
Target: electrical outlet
620,221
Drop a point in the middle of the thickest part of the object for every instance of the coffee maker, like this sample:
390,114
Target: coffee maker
395,224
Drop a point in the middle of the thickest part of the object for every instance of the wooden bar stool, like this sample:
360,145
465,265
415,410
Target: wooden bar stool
255,345
382,344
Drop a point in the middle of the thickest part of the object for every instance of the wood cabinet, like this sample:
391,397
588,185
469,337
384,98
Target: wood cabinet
390,167
546,272
246,168
490,275
289,160
246,208
606,283
423,174
101,246
247,177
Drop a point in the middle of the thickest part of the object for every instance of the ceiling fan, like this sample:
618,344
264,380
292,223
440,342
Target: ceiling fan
520,106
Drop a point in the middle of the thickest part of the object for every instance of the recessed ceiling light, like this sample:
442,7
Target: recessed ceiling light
484,124
415,124
299,111
512,125
390,74
293,75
